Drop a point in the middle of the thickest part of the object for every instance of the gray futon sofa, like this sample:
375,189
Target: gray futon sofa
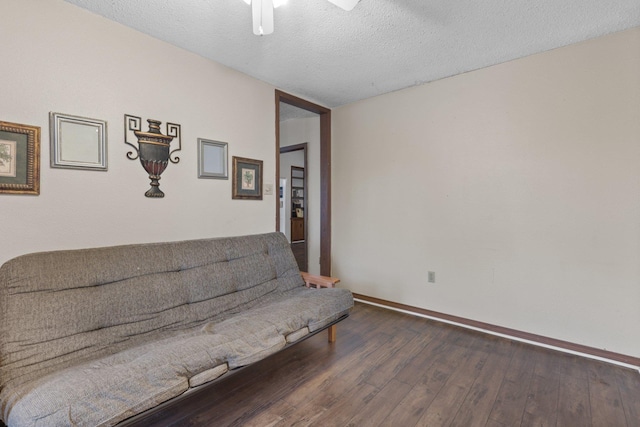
94,336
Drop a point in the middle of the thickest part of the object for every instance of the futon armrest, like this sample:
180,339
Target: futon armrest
319,281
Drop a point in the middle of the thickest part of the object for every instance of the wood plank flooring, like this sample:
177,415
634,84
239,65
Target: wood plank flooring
393,369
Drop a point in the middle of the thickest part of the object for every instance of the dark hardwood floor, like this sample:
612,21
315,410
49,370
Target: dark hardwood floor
393,369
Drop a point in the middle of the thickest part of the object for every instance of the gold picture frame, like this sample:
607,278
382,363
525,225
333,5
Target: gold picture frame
19,158
247,179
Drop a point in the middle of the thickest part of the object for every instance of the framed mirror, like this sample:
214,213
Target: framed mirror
78,142
212,159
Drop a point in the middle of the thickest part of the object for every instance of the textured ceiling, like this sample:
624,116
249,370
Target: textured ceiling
333,57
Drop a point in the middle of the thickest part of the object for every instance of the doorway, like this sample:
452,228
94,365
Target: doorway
297,209
324,168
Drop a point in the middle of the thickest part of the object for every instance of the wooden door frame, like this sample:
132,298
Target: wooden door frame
325,171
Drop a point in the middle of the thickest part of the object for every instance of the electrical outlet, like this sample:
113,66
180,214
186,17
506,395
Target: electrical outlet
432,277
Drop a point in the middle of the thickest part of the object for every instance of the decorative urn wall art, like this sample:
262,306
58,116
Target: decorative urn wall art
153,148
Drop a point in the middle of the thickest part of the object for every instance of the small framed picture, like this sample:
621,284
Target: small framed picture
247,179
212,159
78,142
19,158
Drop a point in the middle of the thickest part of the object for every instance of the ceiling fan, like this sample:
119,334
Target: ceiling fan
262,12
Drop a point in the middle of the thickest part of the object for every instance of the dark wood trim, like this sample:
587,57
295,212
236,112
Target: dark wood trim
325,171
296,147
566,345
300,103
277,183
325,193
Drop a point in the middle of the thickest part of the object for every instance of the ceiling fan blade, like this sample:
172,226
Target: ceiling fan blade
345,4
262,12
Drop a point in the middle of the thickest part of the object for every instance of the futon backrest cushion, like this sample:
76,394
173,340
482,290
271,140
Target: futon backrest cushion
58,308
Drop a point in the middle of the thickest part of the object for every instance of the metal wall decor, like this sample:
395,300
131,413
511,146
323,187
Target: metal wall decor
153,148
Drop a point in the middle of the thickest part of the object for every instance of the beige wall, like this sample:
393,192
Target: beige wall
57,57
518,184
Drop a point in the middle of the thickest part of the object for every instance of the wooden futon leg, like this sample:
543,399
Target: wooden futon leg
322,282
332,333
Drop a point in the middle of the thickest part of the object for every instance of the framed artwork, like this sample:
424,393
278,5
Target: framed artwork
19,158
78,142
247,179
212,159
